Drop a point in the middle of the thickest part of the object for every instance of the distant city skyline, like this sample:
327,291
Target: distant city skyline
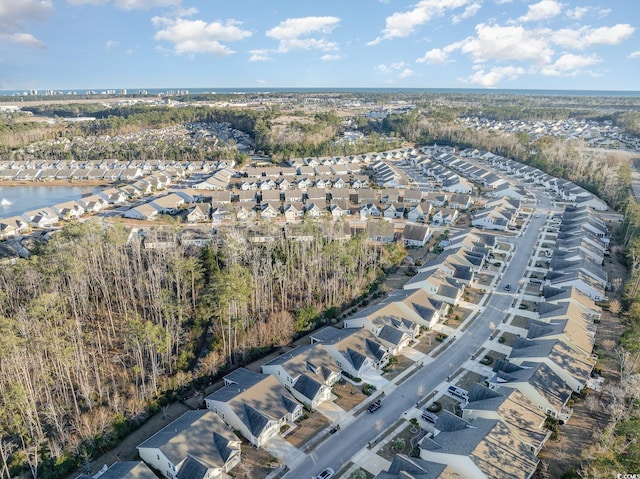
506,44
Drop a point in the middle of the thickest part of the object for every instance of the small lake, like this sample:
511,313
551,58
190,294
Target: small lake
16,200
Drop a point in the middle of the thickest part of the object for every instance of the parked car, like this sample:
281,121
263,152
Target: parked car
429,416
456,391
374,406
326,474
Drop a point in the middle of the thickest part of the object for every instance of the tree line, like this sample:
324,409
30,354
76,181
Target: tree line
96,331
606,174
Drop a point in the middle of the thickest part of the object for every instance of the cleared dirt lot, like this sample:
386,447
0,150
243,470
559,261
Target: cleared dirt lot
349,395
307,429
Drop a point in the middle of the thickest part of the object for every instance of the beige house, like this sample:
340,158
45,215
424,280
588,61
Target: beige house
197,445
478,449
255,404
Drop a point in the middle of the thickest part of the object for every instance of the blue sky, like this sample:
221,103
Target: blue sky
541,44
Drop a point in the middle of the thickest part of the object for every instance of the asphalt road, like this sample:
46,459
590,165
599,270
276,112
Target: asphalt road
351,439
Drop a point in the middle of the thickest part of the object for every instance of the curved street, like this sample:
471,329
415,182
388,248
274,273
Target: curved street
365,428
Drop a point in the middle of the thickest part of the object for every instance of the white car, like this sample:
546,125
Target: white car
326,474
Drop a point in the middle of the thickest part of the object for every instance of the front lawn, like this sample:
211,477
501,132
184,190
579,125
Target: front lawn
349,395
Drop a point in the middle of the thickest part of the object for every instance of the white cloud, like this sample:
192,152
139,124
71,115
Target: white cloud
434,56
469,12
331,57
489,79
109,44
87,2
295,33
13,14
198,36
635,54
570,64
503,43
406,73
579,12
261,55
398,65
587,37
542,10
132,4
19,10
22,38
504,52
146,4
403,24
399,69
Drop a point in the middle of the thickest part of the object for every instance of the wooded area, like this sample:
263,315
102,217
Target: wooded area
95,331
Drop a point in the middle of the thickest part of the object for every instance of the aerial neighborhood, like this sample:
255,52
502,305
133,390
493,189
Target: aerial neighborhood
487,416
319,240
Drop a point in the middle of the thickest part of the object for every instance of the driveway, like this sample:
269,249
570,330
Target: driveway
366,429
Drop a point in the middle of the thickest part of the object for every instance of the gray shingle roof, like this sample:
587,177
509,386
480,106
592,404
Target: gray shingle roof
404,467
392,335
478,392
188,435
307,386
450,422
192,469
355,358
376,349
127,470
254,420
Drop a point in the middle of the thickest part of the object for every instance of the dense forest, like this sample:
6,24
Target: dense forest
96,330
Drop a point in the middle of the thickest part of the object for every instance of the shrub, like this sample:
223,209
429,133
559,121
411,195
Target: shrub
353,378
358,474
368,389
398,445
441,337
487,360
436,406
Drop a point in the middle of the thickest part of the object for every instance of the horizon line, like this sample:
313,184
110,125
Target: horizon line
134,90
